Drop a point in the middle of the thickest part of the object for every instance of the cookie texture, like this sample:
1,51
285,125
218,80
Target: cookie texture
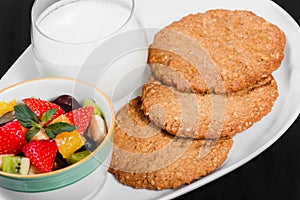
207,115
219,51
157,160
211,79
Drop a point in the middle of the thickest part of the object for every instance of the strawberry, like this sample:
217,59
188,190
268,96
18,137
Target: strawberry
39,107
41,153
81,118
12,138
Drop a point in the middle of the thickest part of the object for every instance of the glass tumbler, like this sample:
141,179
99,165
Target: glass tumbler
98,41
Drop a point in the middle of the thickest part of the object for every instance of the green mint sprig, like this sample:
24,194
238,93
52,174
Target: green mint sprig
30,120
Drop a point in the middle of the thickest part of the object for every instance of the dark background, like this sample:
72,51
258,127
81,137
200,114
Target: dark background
274,174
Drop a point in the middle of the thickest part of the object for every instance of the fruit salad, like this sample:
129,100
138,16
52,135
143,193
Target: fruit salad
40,136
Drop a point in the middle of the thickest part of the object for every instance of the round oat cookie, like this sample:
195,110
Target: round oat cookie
146,157
207,115
219,51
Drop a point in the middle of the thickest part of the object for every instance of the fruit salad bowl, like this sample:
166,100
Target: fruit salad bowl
82,178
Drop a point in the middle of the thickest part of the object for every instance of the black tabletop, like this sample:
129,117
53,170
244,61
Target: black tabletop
274,174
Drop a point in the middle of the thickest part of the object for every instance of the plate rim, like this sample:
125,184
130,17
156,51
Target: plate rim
219,173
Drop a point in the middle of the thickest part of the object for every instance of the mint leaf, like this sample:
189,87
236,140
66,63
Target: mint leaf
54,129
25,116
48,115
31,132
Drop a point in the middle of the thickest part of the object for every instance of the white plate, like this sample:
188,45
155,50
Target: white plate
250,143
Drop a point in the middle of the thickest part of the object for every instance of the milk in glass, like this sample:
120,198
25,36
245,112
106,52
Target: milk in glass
68,32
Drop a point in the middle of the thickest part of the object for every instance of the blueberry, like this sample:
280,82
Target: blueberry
59,162
90,144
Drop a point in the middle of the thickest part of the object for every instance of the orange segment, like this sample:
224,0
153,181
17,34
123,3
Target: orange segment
6,107
61,118
69,142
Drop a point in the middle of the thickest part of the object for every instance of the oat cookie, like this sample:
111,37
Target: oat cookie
218,51
207,115
157,160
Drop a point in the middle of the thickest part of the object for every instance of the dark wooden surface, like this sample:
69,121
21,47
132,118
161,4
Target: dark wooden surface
274,174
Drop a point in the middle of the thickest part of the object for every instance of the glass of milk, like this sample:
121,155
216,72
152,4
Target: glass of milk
98,41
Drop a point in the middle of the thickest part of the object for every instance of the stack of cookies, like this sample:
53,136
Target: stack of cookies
211,79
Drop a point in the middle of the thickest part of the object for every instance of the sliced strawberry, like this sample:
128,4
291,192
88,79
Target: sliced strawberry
41,153
39,107
12,138
81,118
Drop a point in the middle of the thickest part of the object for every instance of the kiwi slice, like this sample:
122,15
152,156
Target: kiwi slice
1,156
90,102
75,157
15,165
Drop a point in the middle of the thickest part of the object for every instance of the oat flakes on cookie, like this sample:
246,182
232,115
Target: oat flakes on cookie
207,115
218,51
146,157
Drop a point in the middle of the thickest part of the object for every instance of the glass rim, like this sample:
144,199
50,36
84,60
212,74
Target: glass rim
34,24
